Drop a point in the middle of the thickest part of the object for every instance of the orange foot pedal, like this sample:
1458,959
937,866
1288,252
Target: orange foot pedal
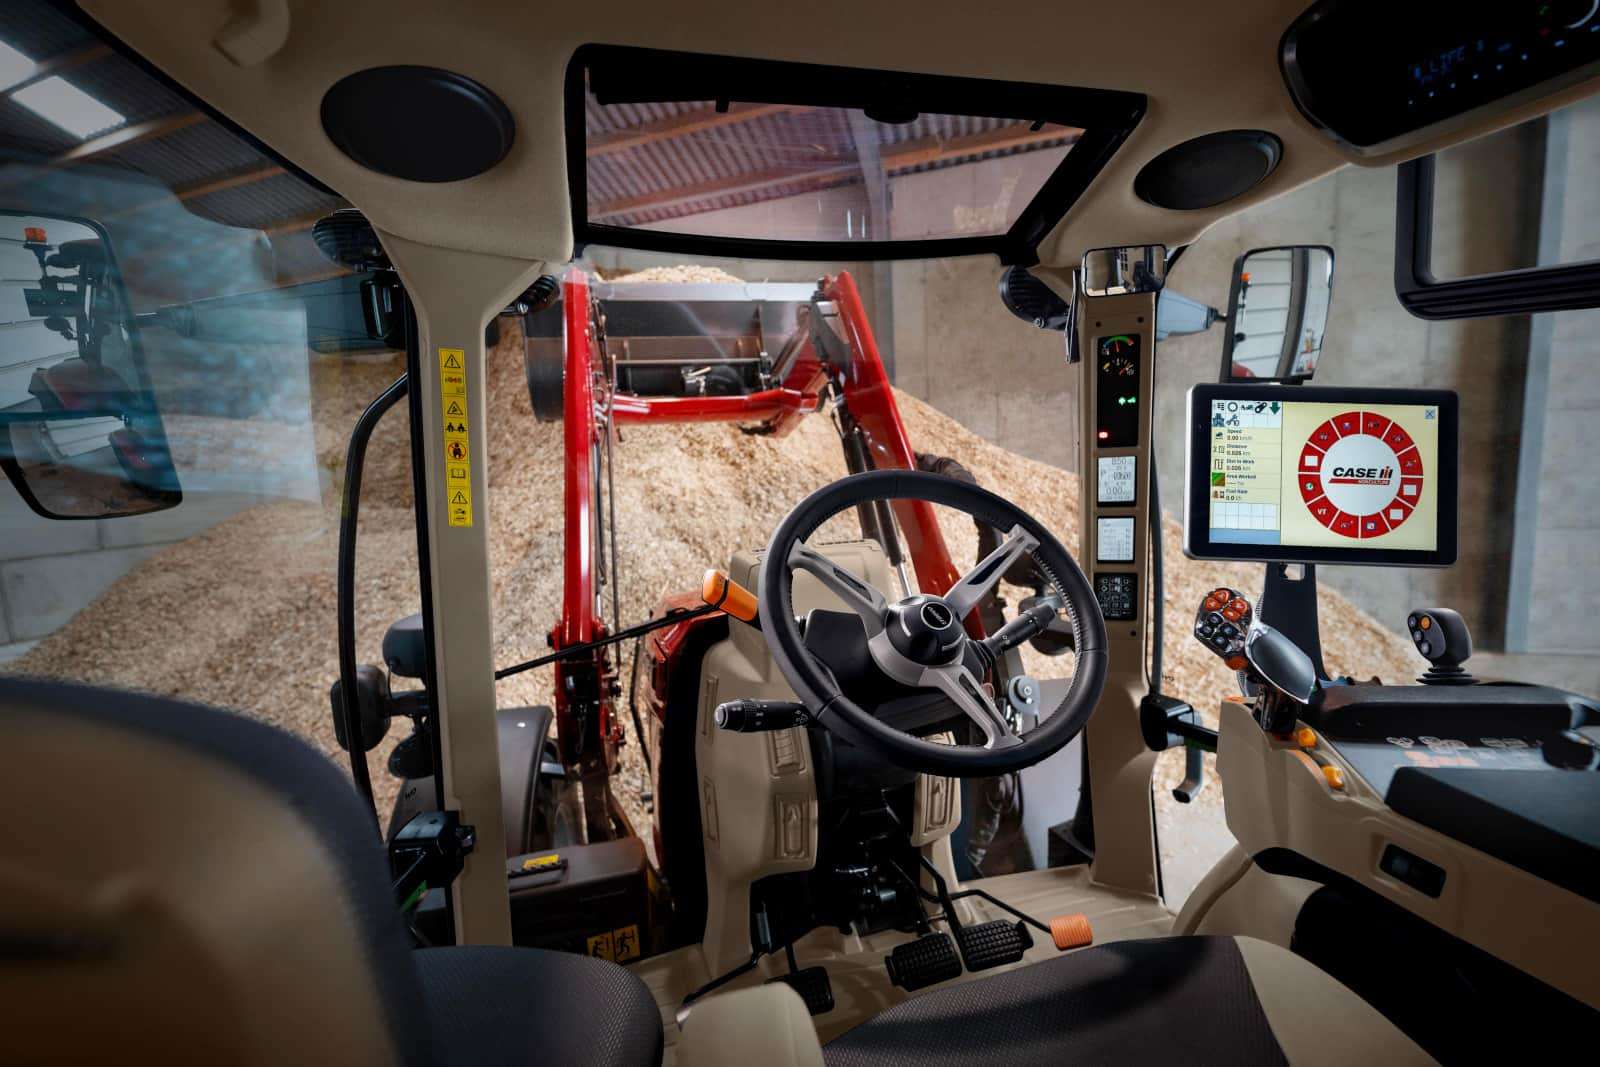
1071,931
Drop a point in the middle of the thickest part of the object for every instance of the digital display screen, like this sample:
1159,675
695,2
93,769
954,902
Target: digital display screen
1117,391
1114,539
1116,479
1317,475
1118,595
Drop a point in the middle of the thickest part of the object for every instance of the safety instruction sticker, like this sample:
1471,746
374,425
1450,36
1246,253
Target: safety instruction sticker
457,457
618,946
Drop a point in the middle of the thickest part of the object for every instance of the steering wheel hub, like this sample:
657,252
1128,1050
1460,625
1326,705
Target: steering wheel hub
924,629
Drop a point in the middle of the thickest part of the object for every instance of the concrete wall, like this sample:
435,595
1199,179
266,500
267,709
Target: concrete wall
1372,341
1555,583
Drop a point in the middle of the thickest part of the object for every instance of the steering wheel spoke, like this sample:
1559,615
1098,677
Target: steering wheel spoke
860,597
965,594
967,693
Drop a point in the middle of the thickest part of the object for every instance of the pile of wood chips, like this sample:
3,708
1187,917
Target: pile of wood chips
242,616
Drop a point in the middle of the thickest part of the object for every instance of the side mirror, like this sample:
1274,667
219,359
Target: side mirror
1277,314
80,434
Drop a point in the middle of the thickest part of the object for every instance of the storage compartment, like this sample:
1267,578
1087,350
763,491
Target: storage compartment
593,899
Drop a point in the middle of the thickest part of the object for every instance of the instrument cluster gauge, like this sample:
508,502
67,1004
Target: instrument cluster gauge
1117,390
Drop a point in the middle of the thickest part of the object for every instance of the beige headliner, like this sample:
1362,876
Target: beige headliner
1204,67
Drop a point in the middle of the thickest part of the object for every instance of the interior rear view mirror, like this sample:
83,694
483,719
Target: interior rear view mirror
1277,313
1133,269
80,433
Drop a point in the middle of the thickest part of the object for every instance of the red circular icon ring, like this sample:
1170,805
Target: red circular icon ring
1360,474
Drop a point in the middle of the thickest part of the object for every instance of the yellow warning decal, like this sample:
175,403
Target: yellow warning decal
618,946
457,457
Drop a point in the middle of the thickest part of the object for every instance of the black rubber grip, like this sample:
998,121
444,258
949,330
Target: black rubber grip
923,962
993,944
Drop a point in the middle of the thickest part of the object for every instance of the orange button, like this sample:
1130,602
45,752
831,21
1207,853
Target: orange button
1305,737
1237,663
1212,603
1334,775
1426,623
1071,931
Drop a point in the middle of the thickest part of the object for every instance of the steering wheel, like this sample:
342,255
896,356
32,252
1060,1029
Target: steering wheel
920,641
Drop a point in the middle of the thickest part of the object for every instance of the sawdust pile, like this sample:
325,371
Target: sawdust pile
242,616
690,273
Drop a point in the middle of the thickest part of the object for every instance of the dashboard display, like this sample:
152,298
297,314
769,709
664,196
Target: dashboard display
1373,71
1117,391
1322,475
1113,538
1115,479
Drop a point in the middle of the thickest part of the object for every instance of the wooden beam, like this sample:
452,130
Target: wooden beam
61,64
122,138
708,118
926,150
920,152
742,183
232,181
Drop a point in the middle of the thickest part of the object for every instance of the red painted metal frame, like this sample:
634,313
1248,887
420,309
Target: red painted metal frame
866,393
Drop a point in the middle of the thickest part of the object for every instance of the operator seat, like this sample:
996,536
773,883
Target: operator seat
185,884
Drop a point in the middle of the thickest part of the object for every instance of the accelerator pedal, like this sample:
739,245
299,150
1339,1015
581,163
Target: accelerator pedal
813,986
929,959
993,944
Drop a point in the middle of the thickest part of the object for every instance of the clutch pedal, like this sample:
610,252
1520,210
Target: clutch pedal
813,986
929,959
993,944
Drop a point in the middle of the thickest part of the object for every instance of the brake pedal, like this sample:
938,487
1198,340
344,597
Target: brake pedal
993,944
813,986
929,959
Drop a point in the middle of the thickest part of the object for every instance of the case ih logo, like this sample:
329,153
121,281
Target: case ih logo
1360,474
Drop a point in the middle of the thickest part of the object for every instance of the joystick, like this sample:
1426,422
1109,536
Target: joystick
1221,624
1226,625
1443,639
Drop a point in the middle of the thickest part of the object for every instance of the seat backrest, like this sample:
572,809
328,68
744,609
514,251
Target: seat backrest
184,884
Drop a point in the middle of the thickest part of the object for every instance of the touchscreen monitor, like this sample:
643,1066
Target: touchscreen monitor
1322,475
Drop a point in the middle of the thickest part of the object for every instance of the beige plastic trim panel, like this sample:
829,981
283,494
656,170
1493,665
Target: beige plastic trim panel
1258,905
1204,67
1274,800
1119,763
455,294
768,1025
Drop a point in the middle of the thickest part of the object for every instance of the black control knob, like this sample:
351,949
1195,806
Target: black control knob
1571,751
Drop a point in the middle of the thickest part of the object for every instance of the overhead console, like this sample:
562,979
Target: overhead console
1377,75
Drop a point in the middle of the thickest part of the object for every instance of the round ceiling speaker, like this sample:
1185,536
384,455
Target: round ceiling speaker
1208,170
418,123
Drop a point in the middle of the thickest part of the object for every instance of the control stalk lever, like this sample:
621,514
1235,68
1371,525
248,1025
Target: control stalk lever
757,716
1166,722
1029,623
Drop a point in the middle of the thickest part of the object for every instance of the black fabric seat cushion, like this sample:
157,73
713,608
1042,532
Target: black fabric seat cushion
490,1005
1184,1000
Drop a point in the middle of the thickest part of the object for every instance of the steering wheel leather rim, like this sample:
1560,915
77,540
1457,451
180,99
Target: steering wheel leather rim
829,705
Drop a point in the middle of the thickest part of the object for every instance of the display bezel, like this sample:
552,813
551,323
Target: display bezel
1197,543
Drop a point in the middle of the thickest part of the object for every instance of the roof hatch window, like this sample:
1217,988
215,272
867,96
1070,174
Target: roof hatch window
699,152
